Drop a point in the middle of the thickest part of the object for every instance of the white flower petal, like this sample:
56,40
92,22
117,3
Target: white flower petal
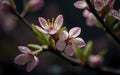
74,32
91,21
24,49
63,35
99,4
52,31
58,22
21,59
32,64
43,23
86,13
60,45
78,42
69,50
115,14
80,4
41,30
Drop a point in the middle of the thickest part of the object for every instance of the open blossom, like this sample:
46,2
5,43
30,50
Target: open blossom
90,18
28,57
69,41
48,27
98,4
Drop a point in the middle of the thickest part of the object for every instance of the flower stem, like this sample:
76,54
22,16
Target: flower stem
106,28
23,20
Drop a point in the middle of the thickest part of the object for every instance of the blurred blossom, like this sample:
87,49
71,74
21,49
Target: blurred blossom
80,4
95,61
115,14
69,41
50,27
5,6
110,3
28,57
90,18
99,4
35,4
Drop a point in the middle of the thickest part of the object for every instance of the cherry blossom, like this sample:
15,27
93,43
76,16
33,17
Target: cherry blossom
28,57
69,41
81,4
48,27
95,61
115,14
90,18
99,4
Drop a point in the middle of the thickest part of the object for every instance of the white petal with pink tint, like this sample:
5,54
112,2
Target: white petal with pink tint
78,42
21,59
24,49
99,4
58,22
69,50
63,35
74,32
52,31
80,4
43,23
41,30
32,64
86,13
60,45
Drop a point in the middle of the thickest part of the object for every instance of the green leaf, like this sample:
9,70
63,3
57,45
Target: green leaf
116,27
43,38
88,49
58,33
99,25
38,47
12,3
51,42
102,52
80,54
109,20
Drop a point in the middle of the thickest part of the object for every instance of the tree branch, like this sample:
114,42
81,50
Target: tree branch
107,29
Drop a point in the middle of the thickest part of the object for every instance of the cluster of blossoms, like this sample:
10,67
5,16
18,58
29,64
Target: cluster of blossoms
64,42
99,7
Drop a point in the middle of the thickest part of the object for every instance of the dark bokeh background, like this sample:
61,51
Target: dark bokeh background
51,64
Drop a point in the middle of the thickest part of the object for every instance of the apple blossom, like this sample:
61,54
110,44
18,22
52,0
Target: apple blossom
69,41
80,4
28,57
99,4
50,27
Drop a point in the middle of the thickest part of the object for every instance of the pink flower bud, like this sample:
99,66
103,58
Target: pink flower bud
35,4
5,6
95,61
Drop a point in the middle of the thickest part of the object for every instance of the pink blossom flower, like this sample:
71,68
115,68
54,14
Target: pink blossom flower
27,57
95,61
50,27
90,18
35,4
99,4
115,14
69,41
80,4
110,3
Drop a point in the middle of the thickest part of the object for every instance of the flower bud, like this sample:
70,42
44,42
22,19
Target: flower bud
5,6
95,61
35,4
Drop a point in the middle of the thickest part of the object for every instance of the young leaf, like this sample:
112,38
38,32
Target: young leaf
38,47
40,36
102,52
80,54
109,20
99,25
51,42
88,49
116,27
